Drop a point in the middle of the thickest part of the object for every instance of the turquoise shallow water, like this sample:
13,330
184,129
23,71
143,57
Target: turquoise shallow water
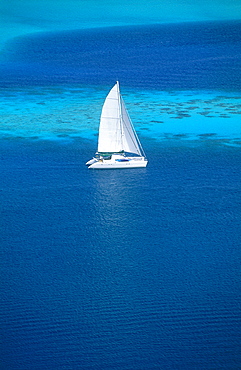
30,16
70,111
179,81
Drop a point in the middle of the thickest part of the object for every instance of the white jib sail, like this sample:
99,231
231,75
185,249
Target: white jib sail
116,132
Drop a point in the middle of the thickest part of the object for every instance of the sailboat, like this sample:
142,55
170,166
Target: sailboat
118,144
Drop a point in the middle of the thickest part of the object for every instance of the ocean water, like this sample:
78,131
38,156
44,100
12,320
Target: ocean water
21,18
136,269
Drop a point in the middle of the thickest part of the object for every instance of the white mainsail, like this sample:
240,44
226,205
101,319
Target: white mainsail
116,133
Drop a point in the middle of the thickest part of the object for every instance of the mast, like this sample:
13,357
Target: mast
120,112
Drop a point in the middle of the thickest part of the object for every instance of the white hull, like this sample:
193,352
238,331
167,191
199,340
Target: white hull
117,161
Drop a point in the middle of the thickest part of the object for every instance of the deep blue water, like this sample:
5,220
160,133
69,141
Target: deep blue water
136,269
203,55
119,269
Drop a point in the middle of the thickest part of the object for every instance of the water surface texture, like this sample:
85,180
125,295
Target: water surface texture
135,269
